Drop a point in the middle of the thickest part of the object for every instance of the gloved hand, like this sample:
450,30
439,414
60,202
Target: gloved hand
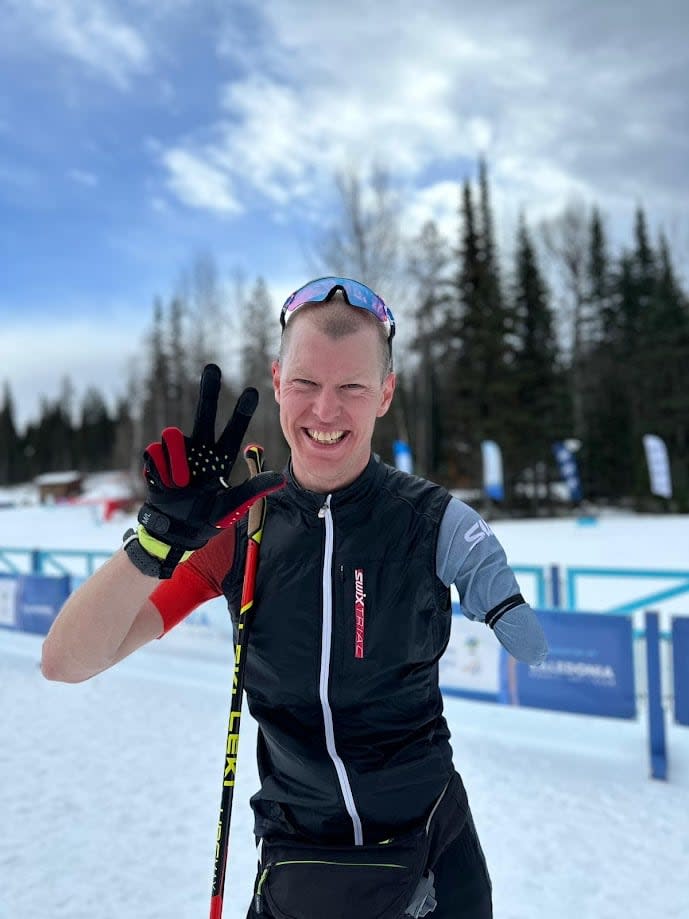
189,499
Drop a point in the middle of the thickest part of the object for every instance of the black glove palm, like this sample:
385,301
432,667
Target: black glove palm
189,497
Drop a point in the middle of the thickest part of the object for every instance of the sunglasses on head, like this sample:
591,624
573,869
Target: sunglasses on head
356,294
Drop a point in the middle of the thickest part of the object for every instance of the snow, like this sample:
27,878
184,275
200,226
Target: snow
110,789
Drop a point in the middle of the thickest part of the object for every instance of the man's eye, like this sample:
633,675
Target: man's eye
353,386
305,382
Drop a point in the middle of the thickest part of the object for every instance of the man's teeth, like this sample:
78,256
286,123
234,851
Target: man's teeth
326,437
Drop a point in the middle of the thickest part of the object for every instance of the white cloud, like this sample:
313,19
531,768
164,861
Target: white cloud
438,202
558,107
88,31
198,183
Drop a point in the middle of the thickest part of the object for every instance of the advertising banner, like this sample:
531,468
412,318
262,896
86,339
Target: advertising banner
492,470
680,667
470,665
8,600
658,466
569,469
589,668
403,457
39,599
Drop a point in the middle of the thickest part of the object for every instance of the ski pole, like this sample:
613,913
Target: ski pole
253,454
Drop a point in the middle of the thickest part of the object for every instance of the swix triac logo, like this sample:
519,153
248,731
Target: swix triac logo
477,533
359,612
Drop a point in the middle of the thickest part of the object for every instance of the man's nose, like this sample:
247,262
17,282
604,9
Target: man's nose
327,405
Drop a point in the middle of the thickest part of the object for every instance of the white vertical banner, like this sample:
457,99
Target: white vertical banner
8,601
403,457
658,466
492,470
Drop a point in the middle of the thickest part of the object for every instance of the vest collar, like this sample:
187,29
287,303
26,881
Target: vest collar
359,490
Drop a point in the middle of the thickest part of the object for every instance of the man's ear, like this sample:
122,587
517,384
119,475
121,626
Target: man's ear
275,370
388,391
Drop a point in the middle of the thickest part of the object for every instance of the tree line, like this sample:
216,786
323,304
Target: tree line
560,338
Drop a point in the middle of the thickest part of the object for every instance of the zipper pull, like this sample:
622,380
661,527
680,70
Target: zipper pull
258,896
326,507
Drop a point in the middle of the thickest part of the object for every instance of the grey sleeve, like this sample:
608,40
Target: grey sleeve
470,556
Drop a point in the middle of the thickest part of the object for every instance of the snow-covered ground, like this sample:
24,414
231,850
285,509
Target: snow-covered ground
109,790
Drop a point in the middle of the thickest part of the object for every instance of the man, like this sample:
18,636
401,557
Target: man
360,811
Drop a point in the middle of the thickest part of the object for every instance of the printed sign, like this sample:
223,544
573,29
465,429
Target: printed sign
39,599
569,469
589,668
680,667
8,601
470,665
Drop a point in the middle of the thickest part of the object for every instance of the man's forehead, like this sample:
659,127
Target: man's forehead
312,348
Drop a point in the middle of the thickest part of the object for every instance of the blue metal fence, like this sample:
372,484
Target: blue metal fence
644,601
33,605
79,562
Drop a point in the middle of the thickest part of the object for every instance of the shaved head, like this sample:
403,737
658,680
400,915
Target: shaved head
337,319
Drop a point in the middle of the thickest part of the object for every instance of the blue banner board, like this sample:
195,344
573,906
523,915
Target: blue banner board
589,668
680,667
39,599
569,470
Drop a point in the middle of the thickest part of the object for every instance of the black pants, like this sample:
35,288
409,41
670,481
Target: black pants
462,883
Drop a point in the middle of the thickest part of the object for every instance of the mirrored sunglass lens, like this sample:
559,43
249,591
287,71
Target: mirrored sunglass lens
313,291
359,295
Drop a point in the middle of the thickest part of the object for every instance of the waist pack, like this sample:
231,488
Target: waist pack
387,880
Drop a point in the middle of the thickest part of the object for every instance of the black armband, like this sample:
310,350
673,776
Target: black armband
498,611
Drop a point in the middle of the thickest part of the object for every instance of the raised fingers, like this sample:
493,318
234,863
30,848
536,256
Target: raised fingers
231,438
207,406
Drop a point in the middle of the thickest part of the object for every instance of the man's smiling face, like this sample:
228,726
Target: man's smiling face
330,393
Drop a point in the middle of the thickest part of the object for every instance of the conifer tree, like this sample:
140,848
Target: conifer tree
541,414
259,348
156,390
126,450
428,269
665,365
477,357
181,387
598,368
96,433
10,457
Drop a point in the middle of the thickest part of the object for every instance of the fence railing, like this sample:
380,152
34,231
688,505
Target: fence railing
612,661
575,575
78,562
542,585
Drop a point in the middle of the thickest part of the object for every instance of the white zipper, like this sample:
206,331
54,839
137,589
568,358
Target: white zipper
326,642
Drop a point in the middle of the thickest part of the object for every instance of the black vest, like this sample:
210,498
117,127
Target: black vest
342,663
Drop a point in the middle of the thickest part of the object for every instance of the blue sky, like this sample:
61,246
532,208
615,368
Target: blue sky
135,135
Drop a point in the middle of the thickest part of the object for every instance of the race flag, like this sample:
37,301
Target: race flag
492,470
658,466
569,470
403,457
